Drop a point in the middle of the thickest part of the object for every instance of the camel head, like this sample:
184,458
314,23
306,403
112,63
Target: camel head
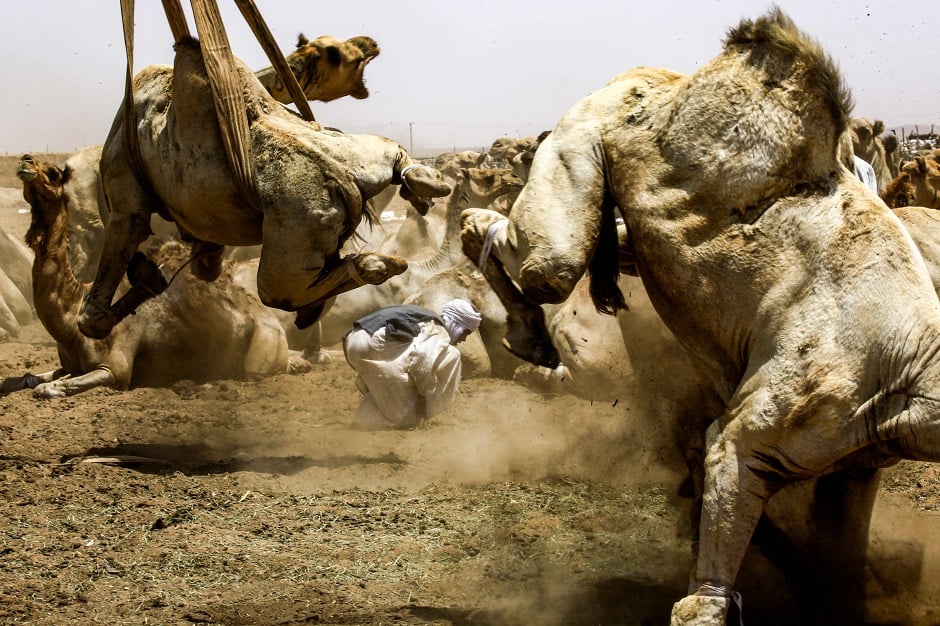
449,163
506,148
865,141
328,68
918,184
44,190
484,185
420,183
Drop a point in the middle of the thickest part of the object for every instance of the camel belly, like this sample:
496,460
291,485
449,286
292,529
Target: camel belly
229,228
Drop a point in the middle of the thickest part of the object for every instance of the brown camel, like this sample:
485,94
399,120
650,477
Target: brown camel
326,68
310,193
797,291
194,330
918,184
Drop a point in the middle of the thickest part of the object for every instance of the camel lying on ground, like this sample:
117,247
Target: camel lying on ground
312,186
195,330
798,291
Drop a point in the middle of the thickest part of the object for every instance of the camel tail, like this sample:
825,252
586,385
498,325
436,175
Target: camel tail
604,267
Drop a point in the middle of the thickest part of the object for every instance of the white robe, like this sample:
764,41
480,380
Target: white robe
392,375
866,173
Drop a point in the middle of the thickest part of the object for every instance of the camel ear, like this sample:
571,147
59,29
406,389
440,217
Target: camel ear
302,41
878,127
920,164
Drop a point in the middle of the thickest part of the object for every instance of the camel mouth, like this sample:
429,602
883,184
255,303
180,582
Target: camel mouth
26,174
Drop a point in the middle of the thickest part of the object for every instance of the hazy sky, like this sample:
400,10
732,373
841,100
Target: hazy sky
454,74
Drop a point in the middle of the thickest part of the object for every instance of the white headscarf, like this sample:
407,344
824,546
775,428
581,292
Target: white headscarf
458,317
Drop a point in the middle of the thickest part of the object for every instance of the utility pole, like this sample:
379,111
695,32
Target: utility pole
411,138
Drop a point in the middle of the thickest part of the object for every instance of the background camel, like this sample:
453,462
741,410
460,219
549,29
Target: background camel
195,330
918,184
744,268
867,144
311,188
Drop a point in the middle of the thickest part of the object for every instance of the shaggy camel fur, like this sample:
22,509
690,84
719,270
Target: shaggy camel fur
798,291
194,330
312,185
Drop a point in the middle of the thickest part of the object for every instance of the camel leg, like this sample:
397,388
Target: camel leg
527,335
207,260
267,352
30,381
123,234
70,386
732,503
818,538
366,268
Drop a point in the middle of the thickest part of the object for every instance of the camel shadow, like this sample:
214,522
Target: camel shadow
621,601
201,460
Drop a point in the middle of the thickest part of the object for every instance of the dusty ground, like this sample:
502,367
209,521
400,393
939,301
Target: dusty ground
256,504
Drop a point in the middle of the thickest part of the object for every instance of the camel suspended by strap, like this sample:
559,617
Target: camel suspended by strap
302,195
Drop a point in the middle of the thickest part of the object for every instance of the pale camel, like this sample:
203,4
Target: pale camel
326,68
194,330
918,184
506,148
312,185
88,211
16,261
799,293
867,144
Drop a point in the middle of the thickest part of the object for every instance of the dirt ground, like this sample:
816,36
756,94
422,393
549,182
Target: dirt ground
255,503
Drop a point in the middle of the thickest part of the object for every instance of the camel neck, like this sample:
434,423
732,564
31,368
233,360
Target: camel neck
57,293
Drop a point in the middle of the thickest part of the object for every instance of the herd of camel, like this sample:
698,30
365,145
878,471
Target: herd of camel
724,201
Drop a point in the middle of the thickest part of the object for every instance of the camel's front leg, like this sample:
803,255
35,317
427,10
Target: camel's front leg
30,381
733,501
123,234
366,268
527,335
70,386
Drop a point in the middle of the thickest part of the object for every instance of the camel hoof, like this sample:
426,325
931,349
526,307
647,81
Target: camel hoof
700,611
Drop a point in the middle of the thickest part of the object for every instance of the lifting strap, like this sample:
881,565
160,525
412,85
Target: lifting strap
266,39
229,99
129,136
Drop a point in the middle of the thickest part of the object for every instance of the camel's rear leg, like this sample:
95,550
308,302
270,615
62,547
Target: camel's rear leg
366,268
